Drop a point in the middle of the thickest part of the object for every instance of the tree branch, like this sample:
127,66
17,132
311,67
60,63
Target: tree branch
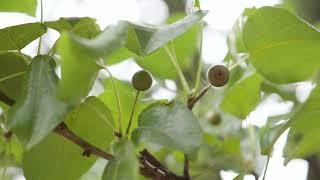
63,130
149,165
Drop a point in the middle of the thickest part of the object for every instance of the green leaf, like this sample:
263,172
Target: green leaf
37,111
127,95
171,125
305,125
79,60
55,158
243,97
84,26
12,69
24,6
98,120
144,40
159,64
125,165
282,47
17,37
197,3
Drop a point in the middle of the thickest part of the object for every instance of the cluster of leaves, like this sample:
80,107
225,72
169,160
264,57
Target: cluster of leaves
269,48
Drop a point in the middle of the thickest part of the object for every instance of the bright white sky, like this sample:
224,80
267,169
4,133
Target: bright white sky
223,14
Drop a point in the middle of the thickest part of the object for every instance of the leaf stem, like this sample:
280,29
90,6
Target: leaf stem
41,20
194,100
4,173
132,112
11,76
265,170
173,58
198,77
115,89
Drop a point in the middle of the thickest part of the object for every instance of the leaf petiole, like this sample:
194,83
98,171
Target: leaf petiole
132,112
175,63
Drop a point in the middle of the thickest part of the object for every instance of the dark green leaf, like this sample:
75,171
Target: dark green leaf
144,40
243,97
37,111
17,37
282,47
171,125
79,56
12,69
24,6
125,165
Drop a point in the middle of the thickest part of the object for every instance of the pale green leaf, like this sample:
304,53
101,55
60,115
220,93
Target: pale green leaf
282,47
23,6
243,97
79,58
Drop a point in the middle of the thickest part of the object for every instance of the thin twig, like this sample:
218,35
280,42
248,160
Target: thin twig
186,167
191,102
265,170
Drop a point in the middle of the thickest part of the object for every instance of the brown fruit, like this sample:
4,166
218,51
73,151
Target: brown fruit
141,80
218,75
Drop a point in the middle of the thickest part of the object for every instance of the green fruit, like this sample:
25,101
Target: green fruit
218,75
141,80
215,119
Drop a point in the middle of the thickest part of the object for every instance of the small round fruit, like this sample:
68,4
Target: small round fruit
215,119
218,75
141,80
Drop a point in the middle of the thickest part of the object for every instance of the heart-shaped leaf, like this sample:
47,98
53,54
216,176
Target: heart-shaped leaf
282,47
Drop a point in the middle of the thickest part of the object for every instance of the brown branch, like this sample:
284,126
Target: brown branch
149,165
186,167
6,99
63,130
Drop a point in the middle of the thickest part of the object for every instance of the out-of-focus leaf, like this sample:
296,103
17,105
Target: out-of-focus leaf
12,69
17,37
23,6
97,118
125,165
171,125
243,97
55,158
37,111
79,60
274,37
127,95
84,27
305,128
144,40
